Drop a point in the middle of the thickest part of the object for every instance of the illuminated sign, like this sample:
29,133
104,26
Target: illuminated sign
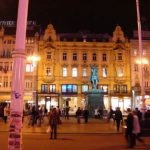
13,23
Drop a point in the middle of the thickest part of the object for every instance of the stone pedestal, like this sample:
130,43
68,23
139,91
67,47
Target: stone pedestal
94,100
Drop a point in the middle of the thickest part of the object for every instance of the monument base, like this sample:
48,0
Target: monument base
94,100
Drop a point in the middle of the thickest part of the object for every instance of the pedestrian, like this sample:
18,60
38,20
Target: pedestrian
129,129
96,113
78,114
53,122
67,109
86,115
136,129
118,118
6,113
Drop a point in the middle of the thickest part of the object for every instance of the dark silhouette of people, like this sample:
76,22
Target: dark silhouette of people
86,115
118,117
53,122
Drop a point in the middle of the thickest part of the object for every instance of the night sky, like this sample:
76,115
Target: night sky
95,16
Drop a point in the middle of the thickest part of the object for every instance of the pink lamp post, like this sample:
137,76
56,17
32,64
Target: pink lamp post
143,106
19,58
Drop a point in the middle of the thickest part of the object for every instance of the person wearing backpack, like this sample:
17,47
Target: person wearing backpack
53,122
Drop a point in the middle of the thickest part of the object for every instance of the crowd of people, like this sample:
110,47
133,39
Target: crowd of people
133,120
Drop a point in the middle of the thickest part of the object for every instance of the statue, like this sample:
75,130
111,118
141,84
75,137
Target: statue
94,77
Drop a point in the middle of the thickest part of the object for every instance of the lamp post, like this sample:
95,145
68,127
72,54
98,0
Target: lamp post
34,59
19,58
143,107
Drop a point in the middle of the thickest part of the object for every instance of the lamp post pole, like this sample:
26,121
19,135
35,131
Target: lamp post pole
19,58
141,58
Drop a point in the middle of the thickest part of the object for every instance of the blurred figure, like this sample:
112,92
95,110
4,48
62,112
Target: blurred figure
53,122
78,114
129,129
86,115
118,117
6,113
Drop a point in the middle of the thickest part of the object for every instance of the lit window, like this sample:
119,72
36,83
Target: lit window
64,72
84,72
116,88
104,72
69,88
44,88
120,72
74,72
29,68
104,88
85,88
52,88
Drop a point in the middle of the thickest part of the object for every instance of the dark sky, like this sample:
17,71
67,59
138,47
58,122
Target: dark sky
96,16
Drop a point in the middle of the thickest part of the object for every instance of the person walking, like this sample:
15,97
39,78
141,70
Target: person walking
6,113
118,118
136,129
78,114
53,122
86,115
129,129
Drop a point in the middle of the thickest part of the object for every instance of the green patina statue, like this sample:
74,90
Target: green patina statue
94,76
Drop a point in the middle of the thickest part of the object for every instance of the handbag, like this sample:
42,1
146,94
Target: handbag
48,130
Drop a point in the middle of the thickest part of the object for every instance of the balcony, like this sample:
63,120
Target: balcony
137,90
119,93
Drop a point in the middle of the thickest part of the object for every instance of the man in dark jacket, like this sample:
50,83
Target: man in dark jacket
118,117
129,129
53,122
86,115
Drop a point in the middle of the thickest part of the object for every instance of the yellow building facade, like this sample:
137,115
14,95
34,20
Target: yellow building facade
65,67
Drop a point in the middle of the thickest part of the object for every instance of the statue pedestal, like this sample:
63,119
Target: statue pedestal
94,100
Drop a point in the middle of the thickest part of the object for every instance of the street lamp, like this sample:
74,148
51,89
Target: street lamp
19,56
34,59
143,107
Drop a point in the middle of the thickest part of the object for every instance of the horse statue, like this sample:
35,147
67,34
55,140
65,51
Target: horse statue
94,77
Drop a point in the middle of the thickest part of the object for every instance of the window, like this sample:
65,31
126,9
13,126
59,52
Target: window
1,66
85,88
84,56
124,88
48,71
74,56
74,72
94,57
135,67
116,88
49,55
6,67
104,88
69,89
44,88
52,88
0,81
119,56
64,72
120,72
64,56
104,71
104,57
84,72
29,68
5,81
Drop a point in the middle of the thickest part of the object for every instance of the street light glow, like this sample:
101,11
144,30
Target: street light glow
143,61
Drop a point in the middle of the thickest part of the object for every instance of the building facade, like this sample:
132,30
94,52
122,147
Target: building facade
65,67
